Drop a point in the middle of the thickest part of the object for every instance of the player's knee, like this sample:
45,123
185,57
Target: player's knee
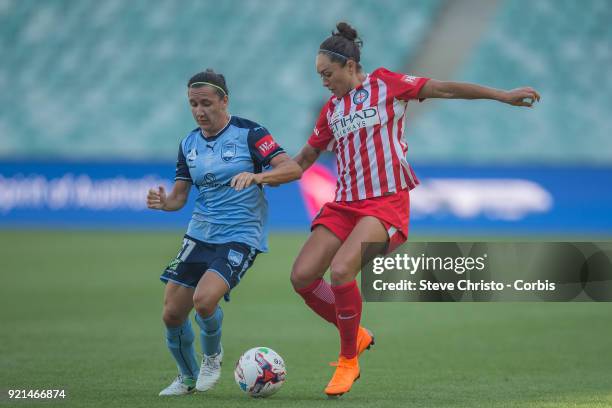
204,305
301,276
341,273
171,318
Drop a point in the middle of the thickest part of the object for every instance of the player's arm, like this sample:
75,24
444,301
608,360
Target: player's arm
266,153
157,199
321,139
307,156
462,90
284,170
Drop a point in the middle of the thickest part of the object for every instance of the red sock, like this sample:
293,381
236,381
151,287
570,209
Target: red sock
320,298
348,313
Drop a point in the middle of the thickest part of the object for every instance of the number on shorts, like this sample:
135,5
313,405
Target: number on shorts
186,249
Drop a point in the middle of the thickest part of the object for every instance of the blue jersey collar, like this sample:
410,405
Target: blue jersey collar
223,129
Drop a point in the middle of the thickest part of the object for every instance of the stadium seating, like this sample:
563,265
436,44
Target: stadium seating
103,79
563,48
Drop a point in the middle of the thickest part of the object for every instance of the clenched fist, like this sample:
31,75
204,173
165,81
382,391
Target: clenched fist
156,199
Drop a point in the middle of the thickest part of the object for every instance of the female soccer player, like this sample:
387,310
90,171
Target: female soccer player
223,157
363,123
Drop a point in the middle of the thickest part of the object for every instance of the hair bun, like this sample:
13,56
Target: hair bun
345,30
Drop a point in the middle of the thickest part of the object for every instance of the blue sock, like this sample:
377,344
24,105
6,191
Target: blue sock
210,331
180,343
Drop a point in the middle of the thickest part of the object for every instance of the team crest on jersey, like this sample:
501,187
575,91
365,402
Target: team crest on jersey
234,257
228,151
360,96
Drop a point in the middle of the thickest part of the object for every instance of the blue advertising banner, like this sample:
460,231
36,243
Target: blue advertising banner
450,199
513,199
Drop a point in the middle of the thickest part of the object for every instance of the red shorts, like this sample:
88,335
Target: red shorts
392,210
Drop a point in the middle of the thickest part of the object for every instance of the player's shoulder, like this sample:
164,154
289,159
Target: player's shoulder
190,137
394,77
382,73
243,123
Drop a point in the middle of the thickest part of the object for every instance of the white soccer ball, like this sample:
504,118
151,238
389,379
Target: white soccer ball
260,372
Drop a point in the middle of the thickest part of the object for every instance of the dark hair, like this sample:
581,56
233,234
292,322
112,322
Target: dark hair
211,77
343,45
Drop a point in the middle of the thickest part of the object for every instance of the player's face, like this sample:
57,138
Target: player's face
337,78
208,109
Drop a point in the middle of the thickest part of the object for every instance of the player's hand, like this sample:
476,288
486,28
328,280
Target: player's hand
521,97
244,180
156,199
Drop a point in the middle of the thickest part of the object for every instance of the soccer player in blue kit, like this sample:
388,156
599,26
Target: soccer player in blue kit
224,158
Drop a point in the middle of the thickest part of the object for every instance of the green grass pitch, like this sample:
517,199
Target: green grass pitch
81,312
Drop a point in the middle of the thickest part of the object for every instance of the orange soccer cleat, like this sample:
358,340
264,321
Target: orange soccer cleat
347,372
365,340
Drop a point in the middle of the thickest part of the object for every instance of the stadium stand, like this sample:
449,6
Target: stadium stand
106,79
563,48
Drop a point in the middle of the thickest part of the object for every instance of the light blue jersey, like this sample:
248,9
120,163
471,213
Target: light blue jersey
221,213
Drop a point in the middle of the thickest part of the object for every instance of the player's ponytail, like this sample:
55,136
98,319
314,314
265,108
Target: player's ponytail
343,45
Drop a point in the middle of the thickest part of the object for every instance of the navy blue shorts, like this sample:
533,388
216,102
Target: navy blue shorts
230,261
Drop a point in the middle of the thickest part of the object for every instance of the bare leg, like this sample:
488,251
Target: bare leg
315,257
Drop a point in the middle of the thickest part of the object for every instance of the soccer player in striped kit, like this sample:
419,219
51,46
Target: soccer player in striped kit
363,124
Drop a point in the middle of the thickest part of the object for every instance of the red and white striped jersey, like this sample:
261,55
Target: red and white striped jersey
365,129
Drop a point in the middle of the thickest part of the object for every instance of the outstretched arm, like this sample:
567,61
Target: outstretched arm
158,200
461,90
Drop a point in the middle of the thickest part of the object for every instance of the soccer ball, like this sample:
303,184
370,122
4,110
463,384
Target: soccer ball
260,372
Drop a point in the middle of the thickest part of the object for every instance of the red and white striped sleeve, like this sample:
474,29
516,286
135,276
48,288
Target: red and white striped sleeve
401,86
